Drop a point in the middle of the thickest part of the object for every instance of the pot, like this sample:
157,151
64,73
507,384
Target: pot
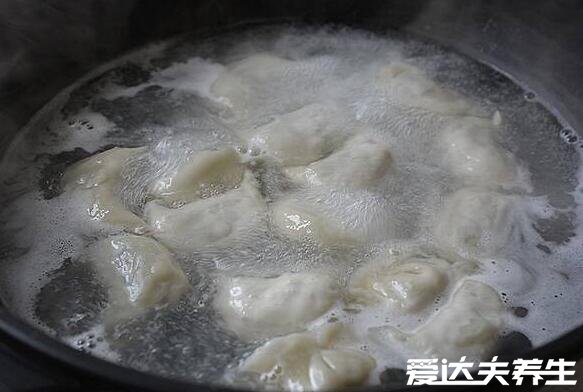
45,46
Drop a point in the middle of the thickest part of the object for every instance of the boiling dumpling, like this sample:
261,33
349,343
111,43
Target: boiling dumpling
215,221
139,272
466,326
266,307
300,137
106,206
410,284
408,86
236,85
473,156
98,177
98,169
360,163
308,362
300,221
477,222
205,171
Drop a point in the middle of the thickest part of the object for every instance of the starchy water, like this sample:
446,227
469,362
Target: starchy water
165,97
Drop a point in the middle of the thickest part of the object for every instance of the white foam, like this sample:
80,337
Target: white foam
195,76
324,65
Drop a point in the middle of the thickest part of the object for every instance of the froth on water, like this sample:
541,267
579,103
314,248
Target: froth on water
185,96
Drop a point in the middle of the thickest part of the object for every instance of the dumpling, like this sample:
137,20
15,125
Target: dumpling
205,171
466,326
98,169
308,362
477,222
235,86
300,221
359,164
300,137
106,206
98,177
265,307
139,272
215,221
408,86
472,155
409,284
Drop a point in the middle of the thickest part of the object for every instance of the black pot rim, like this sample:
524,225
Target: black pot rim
40,342
568,346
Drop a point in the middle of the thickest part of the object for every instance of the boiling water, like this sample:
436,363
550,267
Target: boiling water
161,97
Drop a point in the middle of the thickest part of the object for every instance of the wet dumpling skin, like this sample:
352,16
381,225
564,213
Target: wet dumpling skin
300,221
479,222
408,86
466,326
361,163
240,81
139,272
215,221
266,307
204,171
473,155
309,361
300,137
409,284
97,179
100,168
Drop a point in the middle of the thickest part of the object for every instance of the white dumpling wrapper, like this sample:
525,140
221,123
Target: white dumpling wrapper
97,178
473,156
211,222
98,169
265,307
308,362
408,86
203,171
301,221
477,222
235,85
408,284
106,206
300,137
139,272
466,326
361,163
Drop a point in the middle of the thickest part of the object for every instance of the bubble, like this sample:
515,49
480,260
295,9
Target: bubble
520,311
171,107
530,96
568,136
